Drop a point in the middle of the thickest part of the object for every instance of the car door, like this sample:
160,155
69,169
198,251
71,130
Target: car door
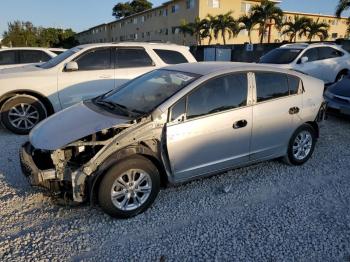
95,76
331,63
313,66
131,62
278,104
210,129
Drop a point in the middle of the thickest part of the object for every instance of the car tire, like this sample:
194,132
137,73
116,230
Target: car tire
129,187
21,113
301,145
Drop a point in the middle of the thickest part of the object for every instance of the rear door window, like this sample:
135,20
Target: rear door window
7,58
33,56
270,86
328,52
132,57
170,56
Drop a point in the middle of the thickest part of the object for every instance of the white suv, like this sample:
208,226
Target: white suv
30,94
328,62
20,56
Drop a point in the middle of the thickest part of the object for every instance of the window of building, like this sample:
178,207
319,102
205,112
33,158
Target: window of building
135,21
98,59
7,57
170,56
142,19
245,7
270,86
334,35
190,4
175,8
214,3
165,12
217,95
166,31
132,57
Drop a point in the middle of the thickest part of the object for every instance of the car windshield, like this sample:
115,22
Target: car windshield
280,56
58,59
143,94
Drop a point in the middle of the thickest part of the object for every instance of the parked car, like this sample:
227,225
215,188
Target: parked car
20,56
30,94
328,62
338,97
173,125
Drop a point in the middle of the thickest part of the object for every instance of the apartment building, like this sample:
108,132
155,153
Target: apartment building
160,24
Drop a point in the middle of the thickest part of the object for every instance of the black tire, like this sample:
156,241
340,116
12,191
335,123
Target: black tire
119,170
290,158
15,102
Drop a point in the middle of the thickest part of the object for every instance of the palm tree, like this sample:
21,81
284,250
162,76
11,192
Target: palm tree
248,22
197,27
266,13
209,26
293,29
315,28
343,5
184,29
226,25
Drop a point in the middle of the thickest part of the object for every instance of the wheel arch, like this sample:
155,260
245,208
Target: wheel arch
43,99
94,180
315,126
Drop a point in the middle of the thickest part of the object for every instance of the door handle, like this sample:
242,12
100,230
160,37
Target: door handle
294,110
240,124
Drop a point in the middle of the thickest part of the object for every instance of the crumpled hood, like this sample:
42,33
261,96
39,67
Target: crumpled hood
342,88
20,70
70,125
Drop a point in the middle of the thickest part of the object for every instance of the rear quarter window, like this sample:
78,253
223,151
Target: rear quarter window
171,57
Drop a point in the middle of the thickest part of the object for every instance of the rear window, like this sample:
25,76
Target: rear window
171,57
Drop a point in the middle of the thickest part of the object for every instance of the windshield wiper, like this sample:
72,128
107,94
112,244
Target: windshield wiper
111,105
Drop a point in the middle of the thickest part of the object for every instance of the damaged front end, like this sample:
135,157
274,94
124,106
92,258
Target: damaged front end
60,171
66,172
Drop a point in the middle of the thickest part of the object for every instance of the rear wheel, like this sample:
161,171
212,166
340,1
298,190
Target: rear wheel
129,187
21,113
301,145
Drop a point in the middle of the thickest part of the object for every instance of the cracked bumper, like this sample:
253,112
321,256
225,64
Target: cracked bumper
36,176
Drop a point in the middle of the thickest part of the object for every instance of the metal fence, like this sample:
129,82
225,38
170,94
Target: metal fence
243,52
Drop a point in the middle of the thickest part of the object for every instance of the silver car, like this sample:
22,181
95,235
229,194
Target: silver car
173,125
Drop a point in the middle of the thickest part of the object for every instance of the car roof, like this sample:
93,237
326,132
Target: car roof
24,48
205,68
136,44
306,45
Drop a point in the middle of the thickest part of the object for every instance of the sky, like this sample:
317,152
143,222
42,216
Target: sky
83,14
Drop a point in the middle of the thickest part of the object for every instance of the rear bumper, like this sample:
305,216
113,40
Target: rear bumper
35,176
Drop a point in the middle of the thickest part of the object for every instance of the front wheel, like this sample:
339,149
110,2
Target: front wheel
129,187
301,145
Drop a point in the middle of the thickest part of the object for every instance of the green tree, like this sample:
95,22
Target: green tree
225,25
315,28
208,27
197,29
343,5
185,30
125,9
267,13
248,22
296,27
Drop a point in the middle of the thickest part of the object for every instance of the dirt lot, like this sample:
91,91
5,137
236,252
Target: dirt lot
271,212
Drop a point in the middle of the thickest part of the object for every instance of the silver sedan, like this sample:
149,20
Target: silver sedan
173,125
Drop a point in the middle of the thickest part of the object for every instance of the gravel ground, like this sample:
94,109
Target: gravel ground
270,212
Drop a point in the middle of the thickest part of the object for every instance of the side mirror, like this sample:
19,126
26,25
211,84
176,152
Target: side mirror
304,59
71,66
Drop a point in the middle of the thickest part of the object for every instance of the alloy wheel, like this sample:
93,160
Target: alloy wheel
302,145
131,189
23,116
